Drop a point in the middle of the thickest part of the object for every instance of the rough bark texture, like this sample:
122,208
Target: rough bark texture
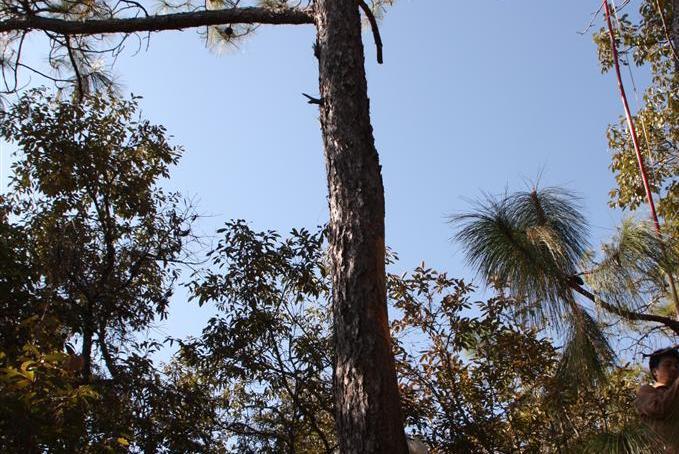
674,32
368,411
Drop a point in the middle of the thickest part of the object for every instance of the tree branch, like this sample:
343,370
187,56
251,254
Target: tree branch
373,25
625,313
177,21
106,353
74,63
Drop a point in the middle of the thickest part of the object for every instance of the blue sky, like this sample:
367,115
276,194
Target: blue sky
473,96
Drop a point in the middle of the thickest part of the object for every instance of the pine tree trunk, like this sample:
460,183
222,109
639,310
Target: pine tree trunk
368,410
674,33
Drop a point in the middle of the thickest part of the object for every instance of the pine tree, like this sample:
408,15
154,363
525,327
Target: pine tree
369,417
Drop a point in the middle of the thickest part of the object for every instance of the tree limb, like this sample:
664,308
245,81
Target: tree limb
74,63
106,353
625,313
373,25
176,21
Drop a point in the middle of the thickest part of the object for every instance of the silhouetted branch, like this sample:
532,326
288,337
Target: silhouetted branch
76,71
625,313
176,21
373,25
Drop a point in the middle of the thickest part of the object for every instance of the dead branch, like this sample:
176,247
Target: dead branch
375,29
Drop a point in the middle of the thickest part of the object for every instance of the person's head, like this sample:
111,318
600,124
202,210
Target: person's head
664,365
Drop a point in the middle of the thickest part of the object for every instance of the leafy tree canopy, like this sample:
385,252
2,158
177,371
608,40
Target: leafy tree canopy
91,245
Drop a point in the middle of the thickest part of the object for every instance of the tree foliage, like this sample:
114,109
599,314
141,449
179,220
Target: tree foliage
532,247
650,41
102,235
472,378
529,244
489,383
91,245
631,269
270,348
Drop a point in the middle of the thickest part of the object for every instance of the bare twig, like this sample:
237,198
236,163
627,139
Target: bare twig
42,74
591,22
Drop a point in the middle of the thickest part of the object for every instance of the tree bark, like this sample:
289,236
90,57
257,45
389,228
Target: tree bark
674,33
368,410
